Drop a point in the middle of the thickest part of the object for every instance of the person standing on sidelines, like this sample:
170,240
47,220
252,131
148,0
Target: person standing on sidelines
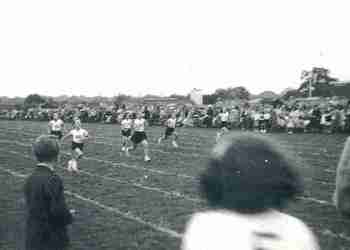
56,126
247,184
139,136
126,125
79,137
48,215
170,126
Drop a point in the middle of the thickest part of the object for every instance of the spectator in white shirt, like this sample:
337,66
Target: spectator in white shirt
248,181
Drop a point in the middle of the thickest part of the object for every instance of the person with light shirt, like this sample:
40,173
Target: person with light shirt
223,119
56,127
139,136
79,137
247,184
126,125
170,126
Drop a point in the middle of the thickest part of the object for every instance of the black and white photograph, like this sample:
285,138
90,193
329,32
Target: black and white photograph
177,125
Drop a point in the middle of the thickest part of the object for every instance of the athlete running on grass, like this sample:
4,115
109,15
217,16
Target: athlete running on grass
223,116
56,126
170,126
139,136
79,136
126,126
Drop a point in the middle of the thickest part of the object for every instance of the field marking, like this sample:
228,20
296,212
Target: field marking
309,198
128,215
186,176
201,137
327,232
197,137
114,164
112,145
121,164
135,184
204,155
285,143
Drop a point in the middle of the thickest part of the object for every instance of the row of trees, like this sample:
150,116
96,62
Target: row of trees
315,82
231,93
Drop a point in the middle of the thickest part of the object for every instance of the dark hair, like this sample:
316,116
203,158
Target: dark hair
249,174
46,148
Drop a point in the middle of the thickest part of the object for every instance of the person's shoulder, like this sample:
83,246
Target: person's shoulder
299,231
214,216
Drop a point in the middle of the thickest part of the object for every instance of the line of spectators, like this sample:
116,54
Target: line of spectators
299,117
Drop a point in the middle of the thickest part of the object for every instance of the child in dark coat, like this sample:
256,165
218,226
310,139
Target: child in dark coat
47,213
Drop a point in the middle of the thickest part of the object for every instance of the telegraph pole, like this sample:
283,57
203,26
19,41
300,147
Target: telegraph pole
310,85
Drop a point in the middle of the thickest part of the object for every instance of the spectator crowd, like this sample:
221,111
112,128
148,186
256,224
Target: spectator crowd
299,116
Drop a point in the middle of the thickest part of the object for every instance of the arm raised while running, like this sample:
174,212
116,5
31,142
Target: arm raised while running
67,135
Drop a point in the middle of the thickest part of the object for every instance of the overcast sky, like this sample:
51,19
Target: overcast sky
164,47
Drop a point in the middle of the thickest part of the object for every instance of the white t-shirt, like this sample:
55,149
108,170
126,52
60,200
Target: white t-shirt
139,125
224,116
171,123
79,136
257,116
227,230
267,116
126,124
56,125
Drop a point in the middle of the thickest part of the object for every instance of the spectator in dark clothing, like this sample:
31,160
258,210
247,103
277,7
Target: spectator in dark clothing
210,116
316,119
147,113
47,213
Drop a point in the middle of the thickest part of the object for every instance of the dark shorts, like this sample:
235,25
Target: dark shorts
138,137
223,125
77,145
169,132
57,133
126,133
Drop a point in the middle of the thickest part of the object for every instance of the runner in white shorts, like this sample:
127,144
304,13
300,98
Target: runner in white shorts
79,136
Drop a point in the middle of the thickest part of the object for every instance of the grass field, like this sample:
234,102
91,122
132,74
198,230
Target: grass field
124,203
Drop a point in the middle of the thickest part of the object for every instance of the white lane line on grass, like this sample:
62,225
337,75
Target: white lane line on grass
128,215
120,164
124,165
310,199
205,155
135,184
323,202
114,164
111,145
200,137
316,160
167,193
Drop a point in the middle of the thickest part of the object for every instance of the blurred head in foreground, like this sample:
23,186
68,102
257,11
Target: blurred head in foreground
46,148
248,173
